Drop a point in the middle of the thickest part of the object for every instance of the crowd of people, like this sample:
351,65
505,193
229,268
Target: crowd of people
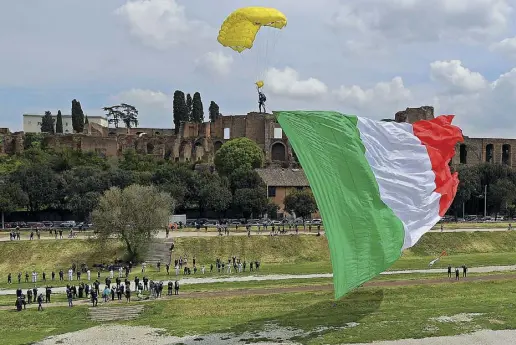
80,284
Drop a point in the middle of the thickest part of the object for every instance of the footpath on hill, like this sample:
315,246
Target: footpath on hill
270,291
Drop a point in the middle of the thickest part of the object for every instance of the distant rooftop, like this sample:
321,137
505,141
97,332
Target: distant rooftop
66,116
283,177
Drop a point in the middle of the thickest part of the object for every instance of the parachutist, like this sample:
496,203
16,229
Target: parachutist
261,101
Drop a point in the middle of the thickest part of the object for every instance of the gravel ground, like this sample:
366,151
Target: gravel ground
272,336
485,337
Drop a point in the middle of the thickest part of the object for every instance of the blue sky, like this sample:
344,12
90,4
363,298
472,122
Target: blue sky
366,57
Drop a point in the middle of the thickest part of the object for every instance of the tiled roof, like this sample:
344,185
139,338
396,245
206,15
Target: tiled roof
283,177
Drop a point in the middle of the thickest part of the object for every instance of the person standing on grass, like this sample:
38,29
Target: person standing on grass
70,274
449,271
457,274
9,279
464,271
88,273
48,292
69,295
176,287
19,277
94,298
40,302
128,294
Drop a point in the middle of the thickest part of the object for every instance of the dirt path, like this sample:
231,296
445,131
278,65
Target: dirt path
4,236
270,291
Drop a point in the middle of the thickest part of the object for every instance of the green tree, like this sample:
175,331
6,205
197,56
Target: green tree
47,123
59,122
301,202
250,202
214,111
11,197
180,181
243,178
238,154
469,187
189,106
180,109
511,211
83,186
197,108
129,115
501,194
134,214
272,210
77,116
39,183
214,193
114,114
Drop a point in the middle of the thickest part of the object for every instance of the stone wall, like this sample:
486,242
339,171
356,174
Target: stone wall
485,150
412,115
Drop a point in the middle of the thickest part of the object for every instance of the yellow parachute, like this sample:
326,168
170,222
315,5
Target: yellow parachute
239,30
259,84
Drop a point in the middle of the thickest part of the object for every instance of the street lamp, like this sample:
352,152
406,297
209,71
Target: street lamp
484,196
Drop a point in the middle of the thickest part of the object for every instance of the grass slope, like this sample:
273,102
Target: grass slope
380,313
278,254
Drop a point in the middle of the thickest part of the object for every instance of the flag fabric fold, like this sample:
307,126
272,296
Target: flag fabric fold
378,185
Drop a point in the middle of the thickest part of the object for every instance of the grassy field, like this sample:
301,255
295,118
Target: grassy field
475,225
278,255
378,314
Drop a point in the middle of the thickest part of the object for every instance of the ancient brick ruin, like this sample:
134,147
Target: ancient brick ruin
195,142
198,142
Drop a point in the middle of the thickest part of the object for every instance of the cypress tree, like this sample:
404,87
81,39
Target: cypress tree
47,123
197,108
189,106
214,111
77,116
59,122
180,110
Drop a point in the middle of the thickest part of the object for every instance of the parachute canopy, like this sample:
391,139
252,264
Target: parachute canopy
259,84
239,30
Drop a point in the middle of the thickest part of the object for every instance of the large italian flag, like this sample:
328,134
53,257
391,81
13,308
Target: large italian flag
378,185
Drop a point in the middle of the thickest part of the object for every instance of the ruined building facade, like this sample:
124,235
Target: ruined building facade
473,150
198,142
195,142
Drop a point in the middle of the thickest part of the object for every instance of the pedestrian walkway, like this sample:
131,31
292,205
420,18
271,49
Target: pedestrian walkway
272,277
107,314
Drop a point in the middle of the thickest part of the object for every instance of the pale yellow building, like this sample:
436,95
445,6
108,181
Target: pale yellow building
32,122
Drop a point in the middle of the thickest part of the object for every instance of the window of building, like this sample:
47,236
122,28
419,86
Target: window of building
278,133
39,123
271,191
299,188
227,133
30,122
66,123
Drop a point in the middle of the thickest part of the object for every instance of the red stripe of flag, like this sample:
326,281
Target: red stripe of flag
440,137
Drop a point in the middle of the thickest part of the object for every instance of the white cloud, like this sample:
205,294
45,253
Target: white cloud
216,62
381,93
161,23
456,77
154,107
287,83
505,47
419,21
